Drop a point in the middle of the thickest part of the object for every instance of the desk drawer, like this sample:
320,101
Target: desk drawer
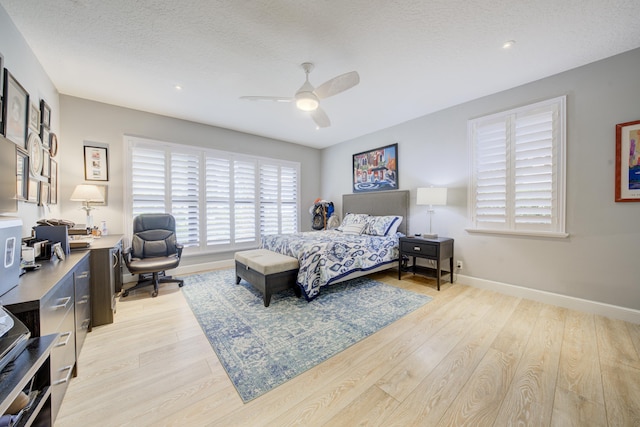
419,248
56,306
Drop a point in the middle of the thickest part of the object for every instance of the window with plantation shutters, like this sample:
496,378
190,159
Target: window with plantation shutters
220,200
517,170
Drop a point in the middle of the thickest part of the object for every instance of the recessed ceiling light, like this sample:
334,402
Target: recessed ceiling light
177,87
508,44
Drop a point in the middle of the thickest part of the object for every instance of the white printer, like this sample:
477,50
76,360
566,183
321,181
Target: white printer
10,248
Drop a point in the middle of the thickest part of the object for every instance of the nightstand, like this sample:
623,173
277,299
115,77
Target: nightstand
438,249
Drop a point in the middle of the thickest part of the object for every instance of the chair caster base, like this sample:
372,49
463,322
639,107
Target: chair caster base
154,294
125,294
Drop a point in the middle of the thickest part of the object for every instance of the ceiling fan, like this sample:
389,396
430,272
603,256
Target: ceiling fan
308,99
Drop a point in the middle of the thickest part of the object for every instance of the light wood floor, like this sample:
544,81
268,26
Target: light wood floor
469,357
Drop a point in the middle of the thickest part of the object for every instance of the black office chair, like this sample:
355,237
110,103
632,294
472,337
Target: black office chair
153,250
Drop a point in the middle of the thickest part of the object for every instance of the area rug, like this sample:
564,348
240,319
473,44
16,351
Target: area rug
262,347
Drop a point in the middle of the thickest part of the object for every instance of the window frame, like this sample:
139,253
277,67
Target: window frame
202,152
508,118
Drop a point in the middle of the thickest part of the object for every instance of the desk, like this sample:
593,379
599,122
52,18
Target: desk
438,249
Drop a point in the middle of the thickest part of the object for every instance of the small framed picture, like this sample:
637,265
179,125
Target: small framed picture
628,162
34,117
45,114
46,163
33,192
15,110
22,174
53,144
43,198
53,181
96,163
45,138
1,91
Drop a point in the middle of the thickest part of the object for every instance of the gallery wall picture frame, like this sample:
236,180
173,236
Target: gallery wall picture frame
36,154
627,178
45,114
34,117
376,170
33,192
22,174
15,110
96,163
45,137
43,198
53,181
53,144
46,164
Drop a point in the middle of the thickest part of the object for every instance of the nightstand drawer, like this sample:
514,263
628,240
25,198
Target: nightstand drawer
419,248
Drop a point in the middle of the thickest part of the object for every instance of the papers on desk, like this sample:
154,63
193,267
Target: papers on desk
80,242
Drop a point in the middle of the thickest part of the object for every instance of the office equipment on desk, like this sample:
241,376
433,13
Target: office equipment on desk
13,337
10,244
80,242
56,233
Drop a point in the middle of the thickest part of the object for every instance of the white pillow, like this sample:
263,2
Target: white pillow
353,228
383,225
352,218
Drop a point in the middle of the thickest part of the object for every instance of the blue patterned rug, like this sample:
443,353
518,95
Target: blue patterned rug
263,347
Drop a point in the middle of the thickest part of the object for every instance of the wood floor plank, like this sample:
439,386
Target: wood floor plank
622,391
439,389
479,401
615,343
529,400
579,369
572,410
367,410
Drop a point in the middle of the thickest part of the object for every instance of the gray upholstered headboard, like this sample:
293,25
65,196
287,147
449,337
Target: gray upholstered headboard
379,203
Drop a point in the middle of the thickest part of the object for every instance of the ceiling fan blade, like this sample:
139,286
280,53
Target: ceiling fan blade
268,98
337,84
320,117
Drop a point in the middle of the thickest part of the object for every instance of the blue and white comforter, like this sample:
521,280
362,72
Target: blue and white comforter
327,256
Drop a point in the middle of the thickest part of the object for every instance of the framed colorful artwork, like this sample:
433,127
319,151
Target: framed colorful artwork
96,163
376,170
628,162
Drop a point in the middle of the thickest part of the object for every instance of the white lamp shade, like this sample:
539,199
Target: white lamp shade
432,196
87,193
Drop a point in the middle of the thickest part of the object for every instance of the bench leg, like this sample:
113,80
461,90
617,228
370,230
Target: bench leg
238,280
297,291
266,298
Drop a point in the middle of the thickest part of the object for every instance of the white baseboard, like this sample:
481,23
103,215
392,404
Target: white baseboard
573,303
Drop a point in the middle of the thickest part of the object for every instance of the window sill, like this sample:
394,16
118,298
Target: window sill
546,234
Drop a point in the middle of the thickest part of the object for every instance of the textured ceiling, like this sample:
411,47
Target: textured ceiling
414,57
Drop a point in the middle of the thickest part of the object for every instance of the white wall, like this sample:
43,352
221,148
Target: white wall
84,120
600,260
24,66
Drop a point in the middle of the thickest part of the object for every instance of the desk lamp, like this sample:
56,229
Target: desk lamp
87,194
431,196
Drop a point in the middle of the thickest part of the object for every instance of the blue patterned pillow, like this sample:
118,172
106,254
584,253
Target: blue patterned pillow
351,218
382,225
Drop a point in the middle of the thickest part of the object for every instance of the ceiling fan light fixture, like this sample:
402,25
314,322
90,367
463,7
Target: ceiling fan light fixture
306,101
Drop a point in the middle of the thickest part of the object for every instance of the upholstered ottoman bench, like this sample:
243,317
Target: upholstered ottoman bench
267,271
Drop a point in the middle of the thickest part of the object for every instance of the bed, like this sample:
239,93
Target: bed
333,256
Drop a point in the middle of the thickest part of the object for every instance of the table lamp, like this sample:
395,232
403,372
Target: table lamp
431,196
87,194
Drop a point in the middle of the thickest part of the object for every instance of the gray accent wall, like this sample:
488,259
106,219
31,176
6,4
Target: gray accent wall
600,260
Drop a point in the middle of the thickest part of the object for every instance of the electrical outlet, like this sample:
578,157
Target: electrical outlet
459,265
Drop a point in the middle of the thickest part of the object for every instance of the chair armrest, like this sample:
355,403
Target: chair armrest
179,248
126,256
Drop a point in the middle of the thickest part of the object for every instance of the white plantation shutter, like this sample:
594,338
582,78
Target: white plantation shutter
288,200
278,200
218,190
185,197
244,186
517,170
216,197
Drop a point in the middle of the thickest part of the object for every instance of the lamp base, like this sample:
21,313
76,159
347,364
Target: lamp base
429,236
